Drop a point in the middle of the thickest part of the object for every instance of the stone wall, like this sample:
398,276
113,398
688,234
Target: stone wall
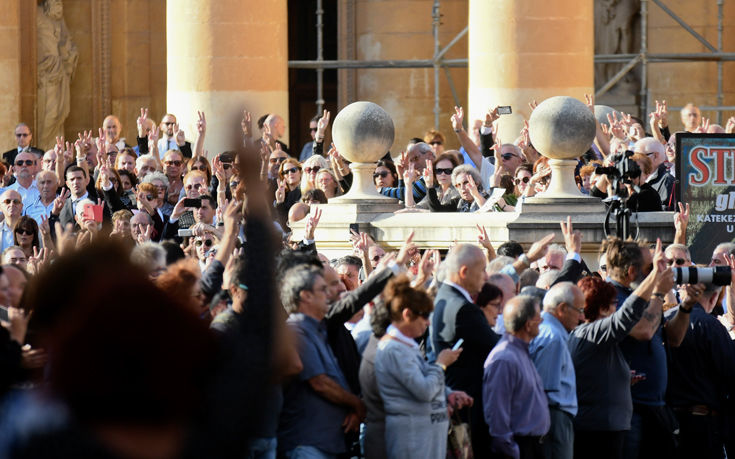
10,73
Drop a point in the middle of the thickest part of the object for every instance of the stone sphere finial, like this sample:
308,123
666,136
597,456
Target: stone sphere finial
601,112
363,132
562,128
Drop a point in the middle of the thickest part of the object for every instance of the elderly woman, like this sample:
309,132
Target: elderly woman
490,300
311,168
467,181
602,373
412,389
327,182
26,235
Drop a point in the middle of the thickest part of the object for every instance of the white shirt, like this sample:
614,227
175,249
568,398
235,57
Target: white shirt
7,237
27,195
464,292
165,145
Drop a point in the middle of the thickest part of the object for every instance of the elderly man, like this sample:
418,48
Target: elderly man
14,255
348,270
515,405
660,179
318,407
64,210
144,165
563,311
24,169
456,317
112,130
48,163
195,184
628,264
690,117
139,225
41,207
274,129
554,259
23,137
11,206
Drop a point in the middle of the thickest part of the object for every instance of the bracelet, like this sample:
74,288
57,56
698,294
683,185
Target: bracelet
660,296
442,366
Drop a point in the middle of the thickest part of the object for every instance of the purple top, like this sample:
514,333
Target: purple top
513,396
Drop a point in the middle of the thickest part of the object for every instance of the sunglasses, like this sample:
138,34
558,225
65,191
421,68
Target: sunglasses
293,170
173,163
196,186
436,143
25,231
377,258
27,162
312,129
381,174
440,171
508,156
11,201
676,261
207,243
276,160
169,123
524,180
314,169
202,168
149,197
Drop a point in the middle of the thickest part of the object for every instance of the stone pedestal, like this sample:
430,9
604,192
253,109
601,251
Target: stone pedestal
582,205
223,57
520,50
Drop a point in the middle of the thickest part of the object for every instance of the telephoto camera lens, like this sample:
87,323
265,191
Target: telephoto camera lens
717,275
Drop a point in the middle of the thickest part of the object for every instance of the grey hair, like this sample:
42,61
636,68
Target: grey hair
155,175
80,205
519,310
462,255
545,280
499,263
729,246
423,147
678,247
562,292
557,248
148,255
467,169
296,280
139,160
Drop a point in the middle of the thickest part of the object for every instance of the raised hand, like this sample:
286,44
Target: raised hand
533,104
246,123
201,123
321,125
59,201
64,238
312,222
457,118
589,102
617,129
142,122
483,238
179,135
681,218
539,248
429,174
281,191
404,255
491,116
730,126
572,239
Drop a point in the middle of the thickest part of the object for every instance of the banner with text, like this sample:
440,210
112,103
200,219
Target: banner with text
705,171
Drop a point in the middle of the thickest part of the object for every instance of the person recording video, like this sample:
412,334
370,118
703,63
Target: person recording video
629,172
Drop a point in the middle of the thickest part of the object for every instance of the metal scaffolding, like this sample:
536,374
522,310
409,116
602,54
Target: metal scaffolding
631,61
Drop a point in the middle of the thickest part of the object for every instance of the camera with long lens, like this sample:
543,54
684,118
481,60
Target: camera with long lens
623,170
717,275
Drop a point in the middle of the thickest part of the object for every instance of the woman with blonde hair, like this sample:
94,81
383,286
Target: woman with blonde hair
311,168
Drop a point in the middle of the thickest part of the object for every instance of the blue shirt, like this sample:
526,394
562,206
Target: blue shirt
308,419
550,355
7,236
37,209
647,357
513,398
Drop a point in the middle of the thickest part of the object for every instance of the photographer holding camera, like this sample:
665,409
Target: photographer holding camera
628,173
650,435
701,373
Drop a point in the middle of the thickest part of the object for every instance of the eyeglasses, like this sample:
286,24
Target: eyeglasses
425,315
206,242
579,310
195,186
524,180
436,142
149,197
173,163
381,174
276,160
25,231
14,260
293,170
314,169
508,156
23,134
201,167
27,162
11,201
677,262
312,129
440,171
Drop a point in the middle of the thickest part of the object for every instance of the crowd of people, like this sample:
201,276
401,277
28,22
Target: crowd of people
156,303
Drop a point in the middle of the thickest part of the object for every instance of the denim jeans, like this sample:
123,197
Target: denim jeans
308,452
262,448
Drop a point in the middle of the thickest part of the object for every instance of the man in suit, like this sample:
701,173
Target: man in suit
455,317
65,206
24,137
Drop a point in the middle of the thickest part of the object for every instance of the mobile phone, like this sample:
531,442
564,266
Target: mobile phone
458,344
92,212
505,110
355,227
185,232
193,202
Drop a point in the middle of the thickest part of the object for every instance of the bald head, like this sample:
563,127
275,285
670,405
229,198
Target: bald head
690,117
112,128
276,124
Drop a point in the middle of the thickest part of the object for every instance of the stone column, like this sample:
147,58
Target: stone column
224,56
520,50
10,73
